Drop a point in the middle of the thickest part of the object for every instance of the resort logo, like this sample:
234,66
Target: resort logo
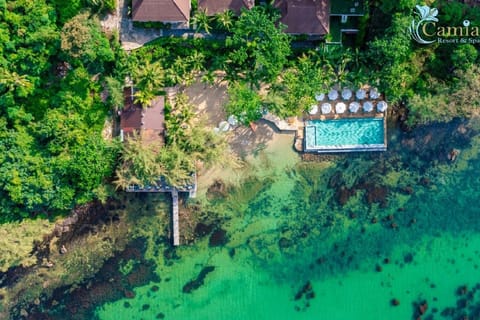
425,29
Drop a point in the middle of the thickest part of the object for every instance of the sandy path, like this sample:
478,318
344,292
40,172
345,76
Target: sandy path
244,142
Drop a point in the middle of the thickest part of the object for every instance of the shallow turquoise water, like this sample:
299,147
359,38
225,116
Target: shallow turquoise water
291,232
344,132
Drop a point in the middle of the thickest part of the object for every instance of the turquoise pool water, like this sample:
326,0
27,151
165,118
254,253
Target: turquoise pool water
345,134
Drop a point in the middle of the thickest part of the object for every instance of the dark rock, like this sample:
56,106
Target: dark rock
218,238
129,294
217,190
336,180
462,290
376,194
378,268
202,229
126,304
154,288
423,307
408,190
462,303
198,281
408,258
395,302
425,182
160,316
170,254
298,295
448,312
284,243
310,295
386,260
145,307
231,252
343,194
374,220
306,290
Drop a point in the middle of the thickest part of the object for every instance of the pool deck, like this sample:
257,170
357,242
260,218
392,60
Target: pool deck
297,125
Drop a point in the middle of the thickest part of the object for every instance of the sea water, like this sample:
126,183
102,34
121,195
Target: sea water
298,254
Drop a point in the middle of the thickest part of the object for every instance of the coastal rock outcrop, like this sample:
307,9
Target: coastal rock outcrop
196,283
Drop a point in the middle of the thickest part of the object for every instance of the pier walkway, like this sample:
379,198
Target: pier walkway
175,223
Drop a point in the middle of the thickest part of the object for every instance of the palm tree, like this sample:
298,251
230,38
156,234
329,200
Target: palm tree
12,80
197,60
144,97
225,19
149,76
201,21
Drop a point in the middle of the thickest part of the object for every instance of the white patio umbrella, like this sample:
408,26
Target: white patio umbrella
374,94
361,94
232,120
223,126
313,109
326,108
382,106
319,96
340,107
333,94
346,94
367,106
354,106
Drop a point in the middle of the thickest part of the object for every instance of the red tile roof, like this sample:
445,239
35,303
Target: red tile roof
149,122
305,16
161,10
217,6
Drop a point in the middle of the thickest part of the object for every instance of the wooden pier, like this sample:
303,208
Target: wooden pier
175,218
162,186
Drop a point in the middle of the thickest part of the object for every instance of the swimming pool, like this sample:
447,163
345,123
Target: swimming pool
345,135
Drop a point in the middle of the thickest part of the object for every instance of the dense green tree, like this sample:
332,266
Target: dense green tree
115,92
139,163
464,56
258,47
244,103
445,101
390,60
66,10
52,154
83,40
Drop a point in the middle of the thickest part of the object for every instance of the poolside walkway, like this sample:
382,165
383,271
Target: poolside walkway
283,125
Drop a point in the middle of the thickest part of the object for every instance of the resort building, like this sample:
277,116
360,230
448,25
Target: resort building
212,7
149,122
175,12
318,18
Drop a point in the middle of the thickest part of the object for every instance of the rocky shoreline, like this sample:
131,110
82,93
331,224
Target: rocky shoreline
420,148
